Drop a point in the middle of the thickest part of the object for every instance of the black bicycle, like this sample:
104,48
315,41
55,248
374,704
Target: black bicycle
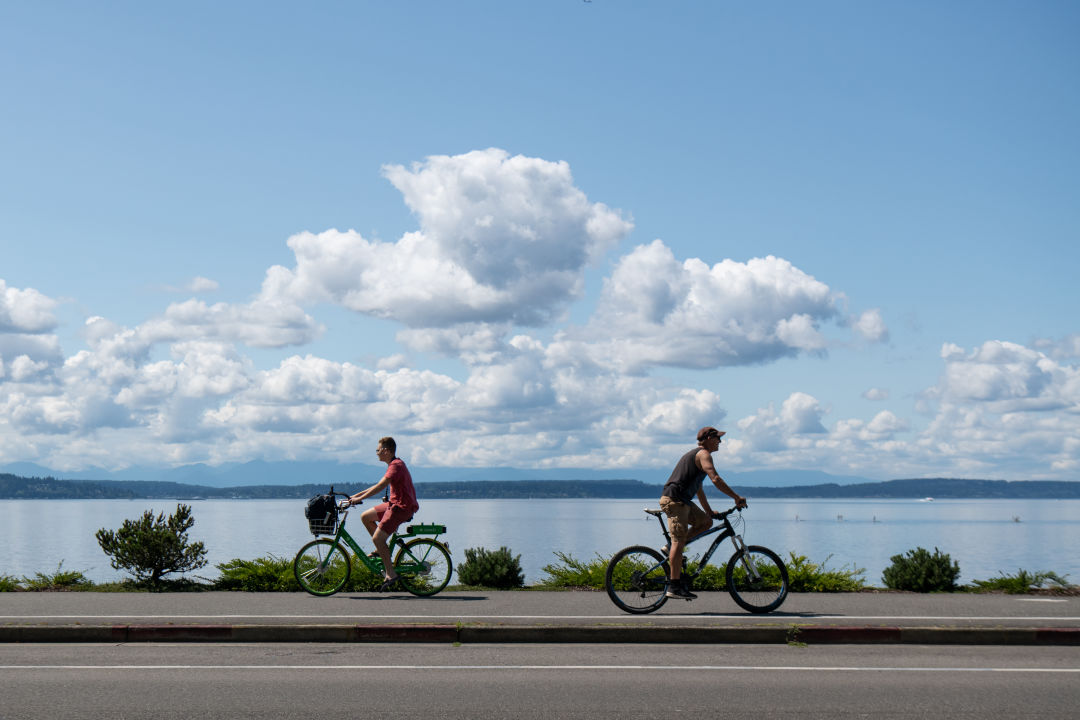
637,577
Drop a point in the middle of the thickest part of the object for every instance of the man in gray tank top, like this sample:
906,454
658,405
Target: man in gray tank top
685,519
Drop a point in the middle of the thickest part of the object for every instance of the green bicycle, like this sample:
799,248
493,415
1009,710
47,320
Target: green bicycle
323,566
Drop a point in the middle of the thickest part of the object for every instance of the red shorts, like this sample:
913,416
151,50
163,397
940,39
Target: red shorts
391,516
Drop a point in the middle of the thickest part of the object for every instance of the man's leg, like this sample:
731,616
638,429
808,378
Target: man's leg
379,538
698,520
675,559
370,518
677,513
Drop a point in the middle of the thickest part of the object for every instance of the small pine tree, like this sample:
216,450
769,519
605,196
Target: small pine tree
150,547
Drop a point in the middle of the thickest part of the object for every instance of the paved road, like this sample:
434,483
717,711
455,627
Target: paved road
536,616
269,681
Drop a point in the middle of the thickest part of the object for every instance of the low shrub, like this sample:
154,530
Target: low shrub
274,574
711,577
570,572
360,579
1021,582
919,571
60,580
265,574
9,583
180,584
491,568
805,576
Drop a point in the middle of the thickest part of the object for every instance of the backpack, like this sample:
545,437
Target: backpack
321,513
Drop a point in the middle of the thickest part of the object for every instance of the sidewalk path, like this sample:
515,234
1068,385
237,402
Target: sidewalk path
528,616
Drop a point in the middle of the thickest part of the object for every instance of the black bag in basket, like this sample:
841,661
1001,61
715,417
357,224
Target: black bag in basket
321,509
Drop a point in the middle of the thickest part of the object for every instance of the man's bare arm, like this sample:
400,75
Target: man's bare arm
704,459
373,490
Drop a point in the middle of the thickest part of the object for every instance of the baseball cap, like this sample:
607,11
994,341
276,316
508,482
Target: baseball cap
707,432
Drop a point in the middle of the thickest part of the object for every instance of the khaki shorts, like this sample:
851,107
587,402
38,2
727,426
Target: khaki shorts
684,519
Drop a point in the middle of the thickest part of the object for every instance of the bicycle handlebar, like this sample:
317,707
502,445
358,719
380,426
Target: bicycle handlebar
342,506
722,515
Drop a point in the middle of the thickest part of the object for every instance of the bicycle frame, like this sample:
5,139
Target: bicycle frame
725,531
375,564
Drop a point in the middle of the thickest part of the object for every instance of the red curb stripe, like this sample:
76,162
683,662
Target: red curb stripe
1058,636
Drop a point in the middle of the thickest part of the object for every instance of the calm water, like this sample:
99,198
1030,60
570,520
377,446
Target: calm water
985,536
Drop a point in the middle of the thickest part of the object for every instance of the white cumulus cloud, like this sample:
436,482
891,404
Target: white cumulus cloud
262,323
657,310
25,311
1009,376
871,326
502,240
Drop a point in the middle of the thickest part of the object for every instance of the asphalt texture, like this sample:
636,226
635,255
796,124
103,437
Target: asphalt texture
532,616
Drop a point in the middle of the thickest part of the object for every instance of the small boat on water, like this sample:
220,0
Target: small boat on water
927,499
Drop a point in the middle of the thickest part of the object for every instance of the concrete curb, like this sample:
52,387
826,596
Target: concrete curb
479,633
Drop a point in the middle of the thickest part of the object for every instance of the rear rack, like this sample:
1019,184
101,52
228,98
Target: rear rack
427,529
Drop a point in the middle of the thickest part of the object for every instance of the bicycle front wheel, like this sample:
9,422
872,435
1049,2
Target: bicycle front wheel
322,567
636,579
424,566
757,579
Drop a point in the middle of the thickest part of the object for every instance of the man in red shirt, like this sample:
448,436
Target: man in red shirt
385,518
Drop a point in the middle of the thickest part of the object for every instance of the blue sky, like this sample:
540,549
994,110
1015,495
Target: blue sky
560,234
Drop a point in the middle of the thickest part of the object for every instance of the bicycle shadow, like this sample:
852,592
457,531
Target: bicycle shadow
407,596
773,614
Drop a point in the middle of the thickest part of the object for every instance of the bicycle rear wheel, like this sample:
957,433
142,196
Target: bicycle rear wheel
322,567
757,579
424,566
636,579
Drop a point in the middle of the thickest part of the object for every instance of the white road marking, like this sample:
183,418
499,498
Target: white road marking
649,668
650,618
1047,600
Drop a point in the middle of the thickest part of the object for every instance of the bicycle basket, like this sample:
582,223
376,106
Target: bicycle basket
321,514
320,527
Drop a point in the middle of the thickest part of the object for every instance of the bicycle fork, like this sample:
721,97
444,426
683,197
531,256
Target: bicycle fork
746,558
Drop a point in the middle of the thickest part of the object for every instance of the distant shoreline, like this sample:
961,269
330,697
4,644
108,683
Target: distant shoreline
14,487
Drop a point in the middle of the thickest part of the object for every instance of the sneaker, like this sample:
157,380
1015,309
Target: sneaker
677,589
389,584
691,595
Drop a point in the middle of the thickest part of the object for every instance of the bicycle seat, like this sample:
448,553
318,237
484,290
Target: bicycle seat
654,513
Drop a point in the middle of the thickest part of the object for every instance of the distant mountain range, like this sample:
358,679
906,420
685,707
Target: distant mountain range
16,487
259,472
